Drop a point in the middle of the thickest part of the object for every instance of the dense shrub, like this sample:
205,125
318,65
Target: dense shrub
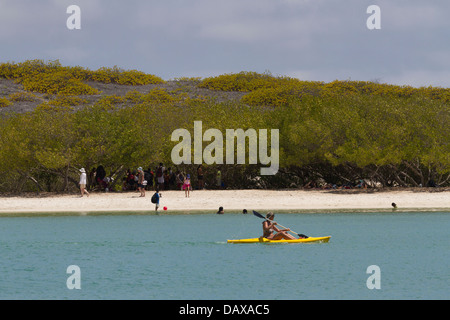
59,82
4,102
283,92
64,101
245,81
53,78
29,68
120,76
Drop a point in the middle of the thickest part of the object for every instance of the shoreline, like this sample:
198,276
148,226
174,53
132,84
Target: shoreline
233,201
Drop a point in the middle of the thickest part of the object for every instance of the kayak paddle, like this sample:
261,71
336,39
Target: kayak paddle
259,215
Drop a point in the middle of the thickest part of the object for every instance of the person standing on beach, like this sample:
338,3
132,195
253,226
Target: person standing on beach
187,185
83,182
140,182
160,176
200,174
179,180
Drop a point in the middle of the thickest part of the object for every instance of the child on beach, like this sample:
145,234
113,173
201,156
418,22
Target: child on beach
187,185
155,199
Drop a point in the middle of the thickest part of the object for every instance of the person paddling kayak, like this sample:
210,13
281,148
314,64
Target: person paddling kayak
271,232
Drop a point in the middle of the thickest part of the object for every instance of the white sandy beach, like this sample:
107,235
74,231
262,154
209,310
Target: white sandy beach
233,201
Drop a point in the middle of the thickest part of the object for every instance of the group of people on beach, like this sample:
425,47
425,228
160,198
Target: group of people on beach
143,180
161,179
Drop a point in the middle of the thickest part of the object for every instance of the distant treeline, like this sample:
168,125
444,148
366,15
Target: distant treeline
335,133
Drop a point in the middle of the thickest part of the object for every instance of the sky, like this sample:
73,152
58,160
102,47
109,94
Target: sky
319,40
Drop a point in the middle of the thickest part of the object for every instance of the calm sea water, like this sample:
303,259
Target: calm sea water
174,257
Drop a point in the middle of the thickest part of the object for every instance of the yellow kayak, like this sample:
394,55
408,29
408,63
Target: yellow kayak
265,240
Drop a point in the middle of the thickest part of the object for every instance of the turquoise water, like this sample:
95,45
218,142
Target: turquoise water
173,257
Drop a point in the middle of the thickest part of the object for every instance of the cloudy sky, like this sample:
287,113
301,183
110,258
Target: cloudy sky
320,40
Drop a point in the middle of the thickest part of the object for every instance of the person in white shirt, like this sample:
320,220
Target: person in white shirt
83,183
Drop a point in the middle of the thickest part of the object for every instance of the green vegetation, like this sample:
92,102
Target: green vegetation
5,102
53,78
330,133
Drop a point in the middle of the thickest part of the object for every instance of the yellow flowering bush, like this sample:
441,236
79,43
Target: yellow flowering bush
4,102
29,68
158,95
126,77
133,96
385,90
244,81
282,91
59,82
50,77
108,102
281,95
53,78
65,101
78,72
